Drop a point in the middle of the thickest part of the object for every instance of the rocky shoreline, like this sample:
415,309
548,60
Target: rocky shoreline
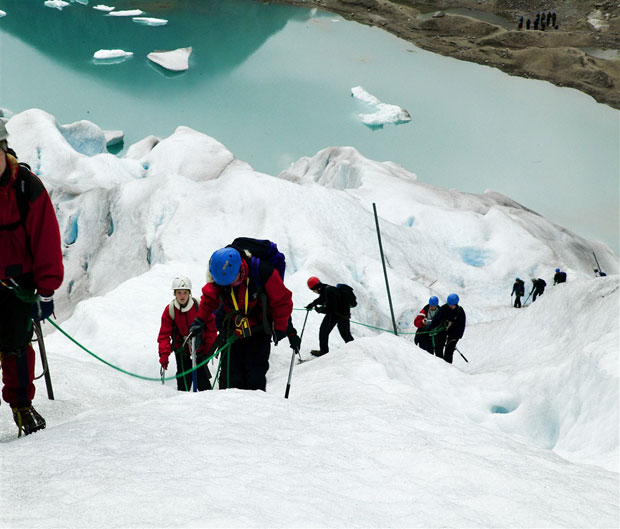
555,55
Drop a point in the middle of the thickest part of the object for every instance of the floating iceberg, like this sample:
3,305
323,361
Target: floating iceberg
128,13
58,4
102,7
2,13
112,54
174,60
384,113
150,21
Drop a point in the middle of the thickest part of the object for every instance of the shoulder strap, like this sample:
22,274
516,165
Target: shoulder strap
171,310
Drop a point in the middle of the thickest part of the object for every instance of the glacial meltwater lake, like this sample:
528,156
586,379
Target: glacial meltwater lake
273,83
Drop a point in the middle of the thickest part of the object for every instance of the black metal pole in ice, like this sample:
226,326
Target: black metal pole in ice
387,284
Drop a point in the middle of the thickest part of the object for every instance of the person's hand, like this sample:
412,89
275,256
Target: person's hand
43,307
294,341
309,306
196,328
279,335
163,360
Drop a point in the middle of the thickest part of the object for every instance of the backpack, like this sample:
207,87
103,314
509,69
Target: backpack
347,296
260,250
22,192
562,277
171,307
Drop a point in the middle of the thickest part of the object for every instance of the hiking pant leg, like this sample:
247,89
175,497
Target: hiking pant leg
203,374
344,327
518,302
231,375
184,363
327,325
18,356
256,361
449,350
440,340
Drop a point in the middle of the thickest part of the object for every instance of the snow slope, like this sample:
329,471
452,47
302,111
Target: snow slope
376,434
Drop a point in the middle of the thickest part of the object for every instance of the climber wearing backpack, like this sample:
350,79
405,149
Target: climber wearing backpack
30,261
451,318
559,277
518,289
175,322
423,338
538,288
245,285
336,303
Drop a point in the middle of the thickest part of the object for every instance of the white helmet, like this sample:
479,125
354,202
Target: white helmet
181,283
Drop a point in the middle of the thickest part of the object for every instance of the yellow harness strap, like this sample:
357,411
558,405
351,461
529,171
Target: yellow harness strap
243,323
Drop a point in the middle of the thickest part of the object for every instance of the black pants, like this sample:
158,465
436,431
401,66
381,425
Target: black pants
246,362
424,341
445,346
184,363
518,302
17,355
327,325
537,292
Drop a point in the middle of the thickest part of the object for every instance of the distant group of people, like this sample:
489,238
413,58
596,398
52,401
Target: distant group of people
542,21
538,287
440,328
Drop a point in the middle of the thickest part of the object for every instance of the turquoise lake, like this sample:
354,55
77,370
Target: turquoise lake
273,83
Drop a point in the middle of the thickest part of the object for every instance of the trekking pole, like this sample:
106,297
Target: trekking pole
162,371
301,336
528,297
290,374
194,373
46,371
463,357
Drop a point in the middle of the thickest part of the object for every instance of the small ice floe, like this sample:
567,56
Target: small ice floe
111,56
102,7
147,21
2,13
384,114
58,4
174,60
127,13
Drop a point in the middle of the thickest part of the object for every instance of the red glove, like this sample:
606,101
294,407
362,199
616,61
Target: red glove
163,360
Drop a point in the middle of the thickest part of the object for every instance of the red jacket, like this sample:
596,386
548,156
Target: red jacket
36,249
279,299
172,333
419,319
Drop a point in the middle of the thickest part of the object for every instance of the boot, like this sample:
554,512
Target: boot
28,420
318,353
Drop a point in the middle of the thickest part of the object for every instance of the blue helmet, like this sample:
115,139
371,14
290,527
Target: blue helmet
557,269
517,279
433,301
453,299
224,265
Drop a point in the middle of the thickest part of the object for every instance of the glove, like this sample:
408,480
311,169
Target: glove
163,360
279,335
43,307
295,341
321,310
196,328
309,306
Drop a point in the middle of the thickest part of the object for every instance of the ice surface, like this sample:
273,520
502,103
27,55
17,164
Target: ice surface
113,137
379,433
384,113
174,60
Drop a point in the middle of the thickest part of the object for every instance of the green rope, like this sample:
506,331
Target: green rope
225,346
434,331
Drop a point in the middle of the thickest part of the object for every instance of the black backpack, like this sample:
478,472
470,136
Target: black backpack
260,250
347,296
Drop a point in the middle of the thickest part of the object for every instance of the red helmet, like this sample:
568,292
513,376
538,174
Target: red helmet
313,282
